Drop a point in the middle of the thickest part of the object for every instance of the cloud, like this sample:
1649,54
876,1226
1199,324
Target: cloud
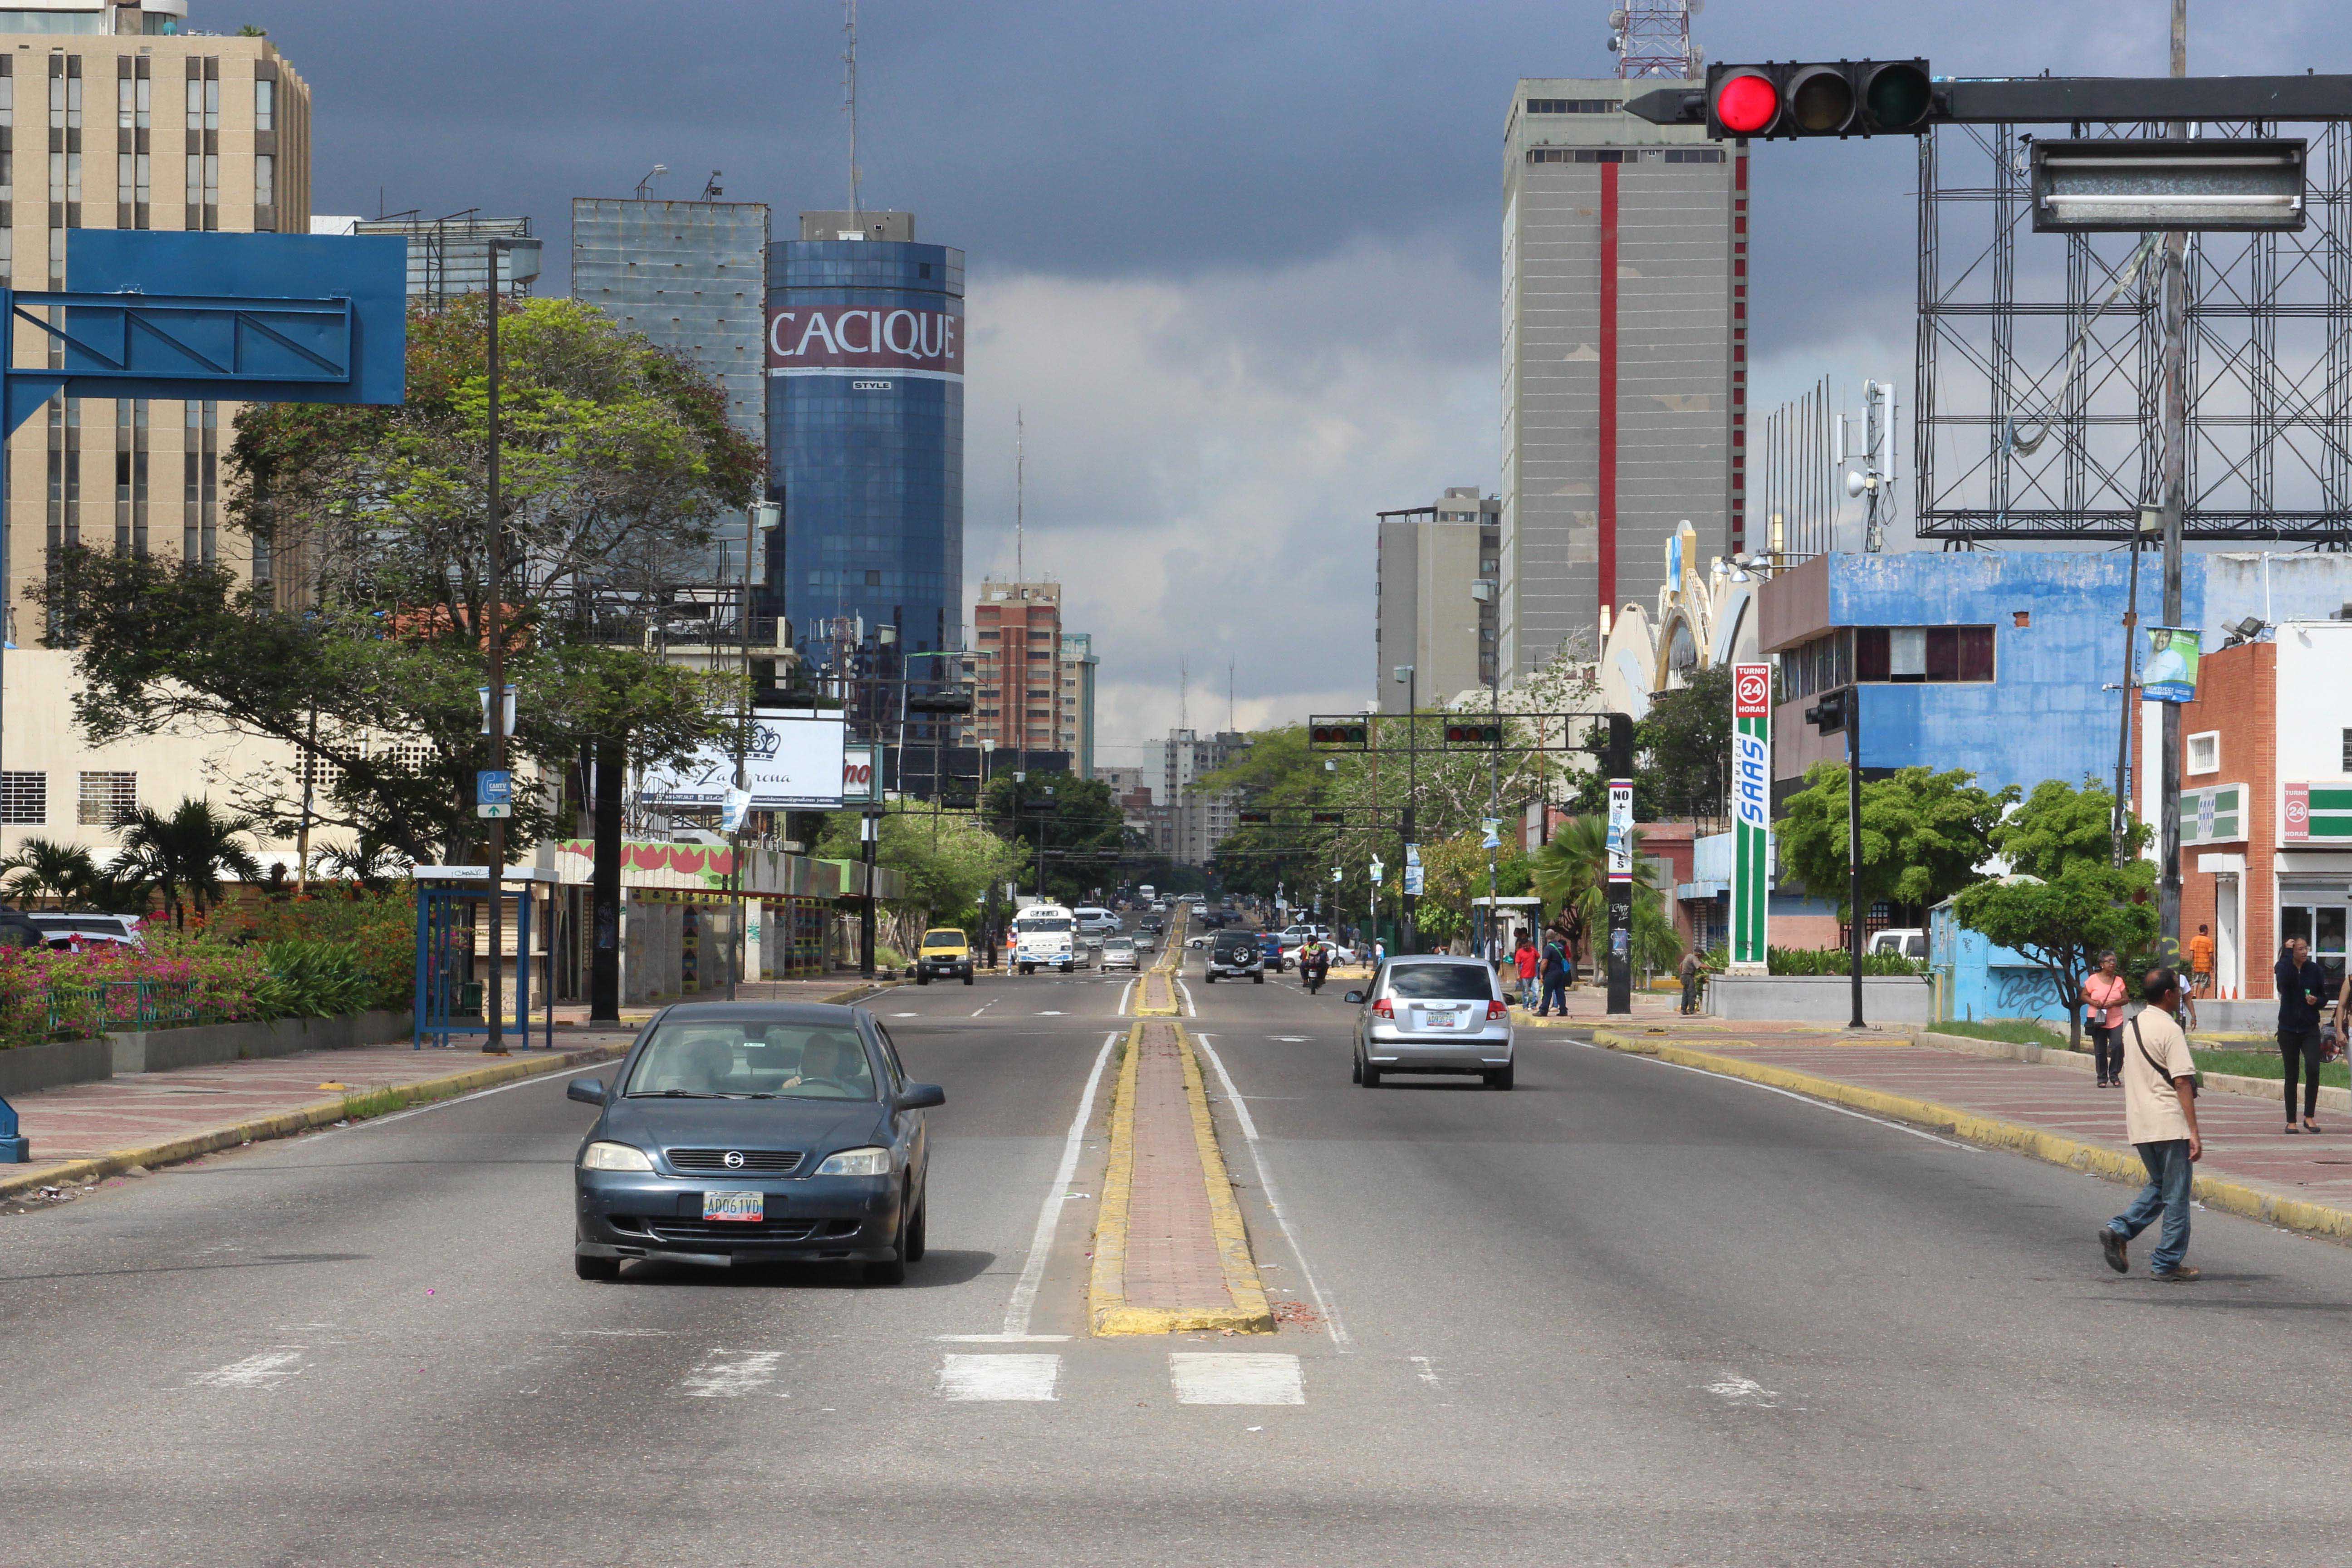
1204,460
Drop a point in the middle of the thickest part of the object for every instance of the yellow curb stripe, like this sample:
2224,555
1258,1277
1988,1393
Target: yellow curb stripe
302,1119
2213,1191
1251,1315
1106,1288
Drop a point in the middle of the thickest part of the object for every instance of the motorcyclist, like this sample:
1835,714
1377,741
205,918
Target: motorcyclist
1314,964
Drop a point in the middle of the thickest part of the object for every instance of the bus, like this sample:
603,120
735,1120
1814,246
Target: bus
1043,937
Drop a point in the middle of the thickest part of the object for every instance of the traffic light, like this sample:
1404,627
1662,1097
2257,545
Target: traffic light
1844,98
1828,715
1255,815
1328,818
1340,734
1474,734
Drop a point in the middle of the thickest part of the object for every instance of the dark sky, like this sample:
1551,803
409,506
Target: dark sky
1237,261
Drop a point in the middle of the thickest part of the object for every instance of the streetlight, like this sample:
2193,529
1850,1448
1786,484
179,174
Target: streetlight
1409,678
524,265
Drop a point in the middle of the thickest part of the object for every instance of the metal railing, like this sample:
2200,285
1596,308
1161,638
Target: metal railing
80,1010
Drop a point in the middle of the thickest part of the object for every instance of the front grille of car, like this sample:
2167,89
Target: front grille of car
748,1229
760,1162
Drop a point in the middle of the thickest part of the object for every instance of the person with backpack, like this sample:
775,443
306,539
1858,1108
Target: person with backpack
1555,979
2159,1079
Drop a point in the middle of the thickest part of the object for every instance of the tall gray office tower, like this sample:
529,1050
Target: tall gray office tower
691,276
1624,355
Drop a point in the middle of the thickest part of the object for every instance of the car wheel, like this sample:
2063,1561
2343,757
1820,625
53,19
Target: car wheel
967,980
895,1271
1259,978
587,1267
1368,1075
918,1240
1501,1078
1355,1069
920,978
1209,980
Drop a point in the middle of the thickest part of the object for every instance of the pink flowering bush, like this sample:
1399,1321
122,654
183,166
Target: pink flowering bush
188,979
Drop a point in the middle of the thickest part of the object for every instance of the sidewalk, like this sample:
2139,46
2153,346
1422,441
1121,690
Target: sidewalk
88,1131
2047,1110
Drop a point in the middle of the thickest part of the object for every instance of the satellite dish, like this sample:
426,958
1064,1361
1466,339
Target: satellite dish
1855,484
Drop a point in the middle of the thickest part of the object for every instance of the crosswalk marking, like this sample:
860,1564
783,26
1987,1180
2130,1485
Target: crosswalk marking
730,1374
1000,1377
256,1370
1216,1378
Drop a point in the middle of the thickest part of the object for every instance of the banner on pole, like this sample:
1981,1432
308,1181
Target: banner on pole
1620,830
1751,825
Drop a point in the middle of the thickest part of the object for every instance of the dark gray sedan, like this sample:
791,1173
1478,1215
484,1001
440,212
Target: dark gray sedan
749,1132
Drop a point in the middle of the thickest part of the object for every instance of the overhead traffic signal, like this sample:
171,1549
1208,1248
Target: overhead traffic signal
1322,818
1844,98
1255,815
1828,715
1474,734
1356,734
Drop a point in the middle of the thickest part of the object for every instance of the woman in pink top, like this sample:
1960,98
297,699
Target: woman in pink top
2102,1014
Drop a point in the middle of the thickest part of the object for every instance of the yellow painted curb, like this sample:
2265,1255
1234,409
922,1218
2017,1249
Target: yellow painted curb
1107,1307
302,1119
2213,1191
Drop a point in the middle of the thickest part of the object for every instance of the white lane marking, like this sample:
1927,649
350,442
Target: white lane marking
1289,1039
893,1014
1049,1214
375,1122
1226,1378
1330,1314
256,1370
1125,992
1425,1368
1733,1389
976,1377
1049,1013
730,1374
1792,1094
1186,992
984,1006
1002,1338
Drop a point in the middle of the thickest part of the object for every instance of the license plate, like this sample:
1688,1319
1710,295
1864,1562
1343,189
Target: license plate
734,1206
1440,1020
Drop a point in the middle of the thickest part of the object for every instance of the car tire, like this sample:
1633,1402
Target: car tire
1210,979
918,1228
967,979
920,978
1368,1075
1259,978
1355,1069
603,1268
1502,1077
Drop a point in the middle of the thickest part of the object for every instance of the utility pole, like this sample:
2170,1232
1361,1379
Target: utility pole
611,765
1618,958
2120,818
1408,854
1853,846
2176,506
495,705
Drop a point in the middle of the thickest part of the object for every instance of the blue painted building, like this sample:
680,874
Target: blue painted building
1973,980
866,431
1997,662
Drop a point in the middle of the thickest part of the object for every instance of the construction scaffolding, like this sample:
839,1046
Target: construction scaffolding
2038,409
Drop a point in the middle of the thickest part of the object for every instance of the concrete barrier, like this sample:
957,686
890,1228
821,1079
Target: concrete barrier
1896,999
29,1067
161,1050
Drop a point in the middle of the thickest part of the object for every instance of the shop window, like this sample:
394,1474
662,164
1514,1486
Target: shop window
1916,655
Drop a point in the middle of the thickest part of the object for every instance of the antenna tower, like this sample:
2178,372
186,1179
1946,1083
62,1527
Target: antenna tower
1652,38
1183,695
1020,490
849,101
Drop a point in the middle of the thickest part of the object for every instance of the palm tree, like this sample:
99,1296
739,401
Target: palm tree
43,868
1571,876
185,853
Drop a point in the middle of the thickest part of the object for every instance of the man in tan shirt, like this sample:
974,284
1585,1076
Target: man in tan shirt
2160,1119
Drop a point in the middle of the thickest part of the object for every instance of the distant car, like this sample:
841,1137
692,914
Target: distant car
62,930
1236,955
754,1133
1117,953
1270,945
1434,1014
1911,943
945,955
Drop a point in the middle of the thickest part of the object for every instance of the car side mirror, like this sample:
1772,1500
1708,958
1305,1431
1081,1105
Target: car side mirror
587,1091
1354,996
920,1097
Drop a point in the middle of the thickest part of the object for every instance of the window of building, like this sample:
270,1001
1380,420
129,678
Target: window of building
1571,105
24,798
199,482
131,477
2347,751
107,799
989,633
265,188
265,104
2205,752
1933,655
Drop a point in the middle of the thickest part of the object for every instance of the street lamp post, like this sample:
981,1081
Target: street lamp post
1410,678
494,632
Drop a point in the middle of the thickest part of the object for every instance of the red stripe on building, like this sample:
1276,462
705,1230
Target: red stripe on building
1740,349
1608,453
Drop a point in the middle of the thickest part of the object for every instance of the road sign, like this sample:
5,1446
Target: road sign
1378,870
1751,825
1620,830
1412,880
493,792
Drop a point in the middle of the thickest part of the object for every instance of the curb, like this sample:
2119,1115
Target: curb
1106,1309
302,1119
2093,1159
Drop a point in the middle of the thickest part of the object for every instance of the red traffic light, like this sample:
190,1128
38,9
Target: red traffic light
1747,103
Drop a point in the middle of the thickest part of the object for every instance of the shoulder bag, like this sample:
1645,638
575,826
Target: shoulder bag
2196,1075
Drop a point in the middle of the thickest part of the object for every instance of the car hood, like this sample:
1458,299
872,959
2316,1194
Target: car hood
818,1126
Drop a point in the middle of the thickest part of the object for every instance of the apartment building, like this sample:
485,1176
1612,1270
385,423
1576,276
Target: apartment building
1434,592
1017,659
1198,819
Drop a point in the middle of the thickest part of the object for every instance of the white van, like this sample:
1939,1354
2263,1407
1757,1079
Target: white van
1911,943
1095,921
1044,937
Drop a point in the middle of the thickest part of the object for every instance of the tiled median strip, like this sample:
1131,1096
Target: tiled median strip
1170,1253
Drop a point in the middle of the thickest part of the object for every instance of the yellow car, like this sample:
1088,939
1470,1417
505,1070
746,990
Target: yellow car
945,953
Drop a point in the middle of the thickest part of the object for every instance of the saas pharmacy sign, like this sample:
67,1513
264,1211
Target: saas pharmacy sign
831,340
1751,812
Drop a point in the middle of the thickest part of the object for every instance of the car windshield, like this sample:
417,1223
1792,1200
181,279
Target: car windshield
944,939
1042,925
750,1059
1236,944
1441,981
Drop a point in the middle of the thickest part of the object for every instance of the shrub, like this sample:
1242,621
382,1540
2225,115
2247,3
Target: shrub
311,979
1835,961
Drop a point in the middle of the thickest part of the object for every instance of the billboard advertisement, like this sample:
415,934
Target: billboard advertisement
795,763
864,338
2170,673
1751,828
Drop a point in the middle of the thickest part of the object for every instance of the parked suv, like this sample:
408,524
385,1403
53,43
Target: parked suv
1434,1014
1234,954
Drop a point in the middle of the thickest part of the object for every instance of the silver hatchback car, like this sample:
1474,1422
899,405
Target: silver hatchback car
1434,1013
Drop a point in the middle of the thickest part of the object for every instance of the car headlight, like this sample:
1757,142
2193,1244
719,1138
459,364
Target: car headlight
857,1163
601,1156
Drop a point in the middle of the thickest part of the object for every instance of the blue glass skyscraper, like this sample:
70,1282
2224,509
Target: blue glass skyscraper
866,431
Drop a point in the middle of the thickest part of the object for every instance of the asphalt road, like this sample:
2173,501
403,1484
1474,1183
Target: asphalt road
1626,1313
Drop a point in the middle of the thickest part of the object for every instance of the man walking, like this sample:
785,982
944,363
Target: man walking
1694,976
1527,962
2302,996
2201,964
1555,979
2160,1119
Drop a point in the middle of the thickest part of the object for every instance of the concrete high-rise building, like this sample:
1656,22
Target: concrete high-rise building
1076,687
135,123
1624,355
449,257
691,276
865,357
1431,559
1199,819
1017,659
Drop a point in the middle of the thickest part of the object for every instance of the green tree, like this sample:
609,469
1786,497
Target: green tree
1072,824
45,869
1570,874
363,653
2059,825
2063,925
187,853
948,860
1682,755
1923,835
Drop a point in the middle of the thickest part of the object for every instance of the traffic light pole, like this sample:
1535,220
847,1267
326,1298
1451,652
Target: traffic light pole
1853,846
2176,506
1619,954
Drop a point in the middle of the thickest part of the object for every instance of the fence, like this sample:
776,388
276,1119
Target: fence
77,1011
